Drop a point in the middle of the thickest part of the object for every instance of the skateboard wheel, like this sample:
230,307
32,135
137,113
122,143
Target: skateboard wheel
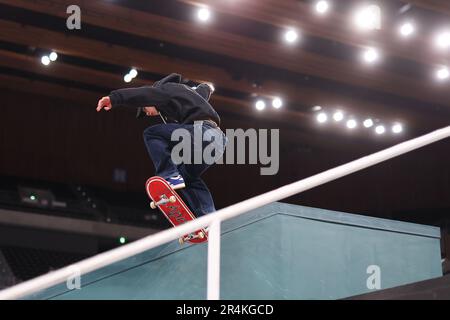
201,235
152,205
172,199
181,241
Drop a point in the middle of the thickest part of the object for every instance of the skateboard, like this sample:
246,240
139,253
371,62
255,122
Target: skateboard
173,207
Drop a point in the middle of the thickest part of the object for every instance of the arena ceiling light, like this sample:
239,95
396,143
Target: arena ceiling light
368,123
53,56
322,7
380,129
127,78
368,18
407,29
291,36
322,117
45,60
352,124
130,75
277,103
260,105
443,73
397,128
442,39
338,116
371,55
133,73
204,14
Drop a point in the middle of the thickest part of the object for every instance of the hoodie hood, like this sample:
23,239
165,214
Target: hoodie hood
173,77
204,91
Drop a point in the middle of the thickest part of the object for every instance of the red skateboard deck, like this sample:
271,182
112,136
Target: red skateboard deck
173,207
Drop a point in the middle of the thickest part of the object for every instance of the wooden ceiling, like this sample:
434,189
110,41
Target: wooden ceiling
159,37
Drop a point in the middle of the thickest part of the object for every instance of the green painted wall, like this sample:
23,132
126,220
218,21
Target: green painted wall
277,252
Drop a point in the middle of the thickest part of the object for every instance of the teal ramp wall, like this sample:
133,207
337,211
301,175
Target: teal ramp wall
280,251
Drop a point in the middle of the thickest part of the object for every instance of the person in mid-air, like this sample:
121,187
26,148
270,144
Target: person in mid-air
180,107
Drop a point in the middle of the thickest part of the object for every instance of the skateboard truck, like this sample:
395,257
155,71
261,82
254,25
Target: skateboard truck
191,236
163,200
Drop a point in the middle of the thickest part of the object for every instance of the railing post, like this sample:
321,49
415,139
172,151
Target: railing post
213,281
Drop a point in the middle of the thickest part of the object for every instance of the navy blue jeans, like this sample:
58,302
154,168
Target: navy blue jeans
159,145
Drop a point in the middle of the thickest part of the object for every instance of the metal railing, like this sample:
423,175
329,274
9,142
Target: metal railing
214,222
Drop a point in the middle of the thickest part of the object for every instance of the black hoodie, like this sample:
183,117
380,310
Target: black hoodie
176,102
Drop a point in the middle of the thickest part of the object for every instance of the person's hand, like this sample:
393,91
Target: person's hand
104,103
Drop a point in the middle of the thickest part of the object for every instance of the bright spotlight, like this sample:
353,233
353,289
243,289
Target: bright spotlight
443,40
127,78
322,117
322,6
45,60
380,129
397,128
53,56
443,73
291,36
368,123
277,103
371,55
203,14
338,116
352,124
260,105
133,73
407,29
368,18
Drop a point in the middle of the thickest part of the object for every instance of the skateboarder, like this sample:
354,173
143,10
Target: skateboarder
180,107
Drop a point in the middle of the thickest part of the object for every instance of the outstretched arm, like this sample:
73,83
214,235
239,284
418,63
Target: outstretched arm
134,97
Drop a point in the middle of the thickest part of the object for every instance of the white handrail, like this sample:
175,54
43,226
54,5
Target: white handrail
213,220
